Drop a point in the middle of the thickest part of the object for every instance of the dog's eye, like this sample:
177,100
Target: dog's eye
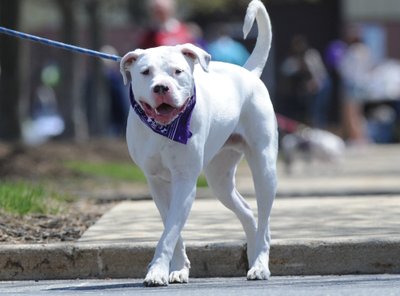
145,72
178,71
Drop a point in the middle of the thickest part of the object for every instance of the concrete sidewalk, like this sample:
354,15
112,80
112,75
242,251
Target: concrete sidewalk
375,217
319,226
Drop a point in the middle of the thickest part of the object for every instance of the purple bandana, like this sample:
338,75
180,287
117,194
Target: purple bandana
177,130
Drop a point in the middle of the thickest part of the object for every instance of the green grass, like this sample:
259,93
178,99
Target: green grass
112,170
23,198
201,181
115,171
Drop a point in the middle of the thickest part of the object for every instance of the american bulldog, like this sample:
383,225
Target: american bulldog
191,115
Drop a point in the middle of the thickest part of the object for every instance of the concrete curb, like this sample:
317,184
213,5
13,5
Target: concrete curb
84,260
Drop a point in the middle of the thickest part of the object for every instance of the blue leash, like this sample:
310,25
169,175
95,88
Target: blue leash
60,44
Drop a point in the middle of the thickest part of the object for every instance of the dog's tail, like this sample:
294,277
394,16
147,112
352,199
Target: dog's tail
257,11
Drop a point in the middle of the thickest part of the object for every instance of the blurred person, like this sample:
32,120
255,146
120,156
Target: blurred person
165,29
197,34
117,93
46,121
334,53
225,49
354,68
332,57
308,84
370,90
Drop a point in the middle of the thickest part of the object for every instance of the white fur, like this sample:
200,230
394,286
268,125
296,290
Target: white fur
233,117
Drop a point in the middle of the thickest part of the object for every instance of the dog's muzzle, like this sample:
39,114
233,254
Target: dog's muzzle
176,129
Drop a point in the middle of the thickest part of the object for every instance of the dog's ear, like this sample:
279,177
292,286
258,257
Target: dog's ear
126,61
196,54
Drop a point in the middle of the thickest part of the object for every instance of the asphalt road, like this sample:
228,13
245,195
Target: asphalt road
311,285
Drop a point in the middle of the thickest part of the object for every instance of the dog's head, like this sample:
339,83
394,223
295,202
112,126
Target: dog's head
162,78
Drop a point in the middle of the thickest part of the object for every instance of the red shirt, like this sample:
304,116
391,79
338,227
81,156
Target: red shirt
179,35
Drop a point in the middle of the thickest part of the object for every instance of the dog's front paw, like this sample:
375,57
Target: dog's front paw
156,276
259,271
258,274
179,276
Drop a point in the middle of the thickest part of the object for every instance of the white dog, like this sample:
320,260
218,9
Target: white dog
190,114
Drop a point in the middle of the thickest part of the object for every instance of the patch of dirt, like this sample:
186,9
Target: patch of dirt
44,163
68,226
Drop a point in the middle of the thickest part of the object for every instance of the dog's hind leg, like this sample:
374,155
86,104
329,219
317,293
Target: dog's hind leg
263,166
220,174
180,264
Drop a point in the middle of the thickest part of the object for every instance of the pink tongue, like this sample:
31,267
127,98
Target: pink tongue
164,109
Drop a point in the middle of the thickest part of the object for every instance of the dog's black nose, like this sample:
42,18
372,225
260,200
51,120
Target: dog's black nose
160,89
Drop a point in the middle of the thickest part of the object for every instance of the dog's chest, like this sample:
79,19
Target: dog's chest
154,167
153,153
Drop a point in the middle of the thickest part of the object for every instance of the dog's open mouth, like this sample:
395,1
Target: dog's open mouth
164,113
164,109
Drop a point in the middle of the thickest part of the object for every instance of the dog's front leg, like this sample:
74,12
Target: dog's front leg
183,192
161,192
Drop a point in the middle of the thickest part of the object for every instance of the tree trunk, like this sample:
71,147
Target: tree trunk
68,62
10,129
71,64
97,103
